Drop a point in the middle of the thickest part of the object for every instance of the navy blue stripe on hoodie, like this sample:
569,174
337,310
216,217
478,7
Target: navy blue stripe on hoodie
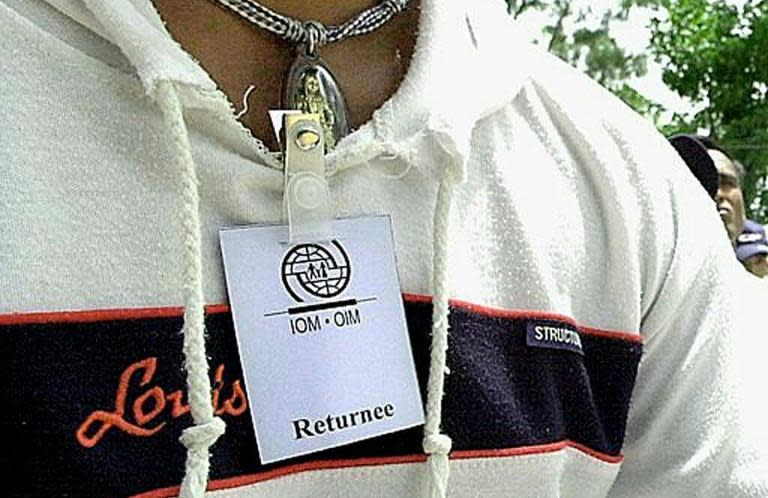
95,400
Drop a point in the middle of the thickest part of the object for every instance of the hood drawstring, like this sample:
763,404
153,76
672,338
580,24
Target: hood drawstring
207,428
436,444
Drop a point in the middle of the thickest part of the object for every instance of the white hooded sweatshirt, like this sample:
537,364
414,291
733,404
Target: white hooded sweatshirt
566,210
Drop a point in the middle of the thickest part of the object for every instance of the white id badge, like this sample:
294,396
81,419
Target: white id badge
322,336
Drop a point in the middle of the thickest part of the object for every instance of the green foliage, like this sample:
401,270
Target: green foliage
593,50
711,52
716,54
642,105
601,56
516,8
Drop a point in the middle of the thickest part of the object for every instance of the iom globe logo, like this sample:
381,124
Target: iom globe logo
317,270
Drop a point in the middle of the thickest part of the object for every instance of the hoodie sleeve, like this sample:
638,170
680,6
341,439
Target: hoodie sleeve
697,421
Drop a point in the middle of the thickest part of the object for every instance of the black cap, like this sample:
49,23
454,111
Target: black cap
695,155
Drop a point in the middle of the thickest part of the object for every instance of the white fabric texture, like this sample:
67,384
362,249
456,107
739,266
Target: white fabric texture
566,202
568,473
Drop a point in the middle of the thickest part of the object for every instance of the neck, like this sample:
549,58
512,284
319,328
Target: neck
237,54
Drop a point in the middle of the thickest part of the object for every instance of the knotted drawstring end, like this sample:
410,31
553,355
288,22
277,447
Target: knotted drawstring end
198,440
202,436
437,446
207,429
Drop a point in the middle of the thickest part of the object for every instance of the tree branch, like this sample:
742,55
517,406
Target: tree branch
524,5
557,31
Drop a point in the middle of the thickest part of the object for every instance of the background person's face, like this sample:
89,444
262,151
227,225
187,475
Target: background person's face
729,198
757,265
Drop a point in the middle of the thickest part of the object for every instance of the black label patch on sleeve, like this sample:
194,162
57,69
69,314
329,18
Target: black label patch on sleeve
553,335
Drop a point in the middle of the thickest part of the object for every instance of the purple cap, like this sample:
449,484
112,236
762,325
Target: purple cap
751,241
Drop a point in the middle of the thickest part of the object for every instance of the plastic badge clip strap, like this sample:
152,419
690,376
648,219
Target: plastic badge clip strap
307,198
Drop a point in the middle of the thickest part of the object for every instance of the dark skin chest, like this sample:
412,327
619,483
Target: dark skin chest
236,54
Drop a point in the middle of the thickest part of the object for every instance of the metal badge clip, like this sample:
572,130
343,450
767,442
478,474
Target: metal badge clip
307,198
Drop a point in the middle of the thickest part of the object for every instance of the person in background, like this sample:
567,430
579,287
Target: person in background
721,176
729,198
752,248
